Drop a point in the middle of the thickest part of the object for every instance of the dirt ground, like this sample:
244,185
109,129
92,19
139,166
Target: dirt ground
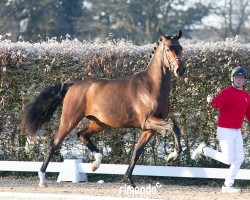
156,191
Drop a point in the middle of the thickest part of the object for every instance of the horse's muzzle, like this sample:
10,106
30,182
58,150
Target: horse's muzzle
180,71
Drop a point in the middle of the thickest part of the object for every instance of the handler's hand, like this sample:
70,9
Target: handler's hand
210,98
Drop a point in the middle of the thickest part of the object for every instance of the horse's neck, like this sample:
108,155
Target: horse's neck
155,69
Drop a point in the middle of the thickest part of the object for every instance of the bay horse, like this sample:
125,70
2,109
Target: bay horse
139,101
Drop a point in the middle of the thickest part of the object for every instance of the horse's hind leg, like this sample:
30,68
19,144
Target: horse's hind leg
71,116
85,135
178,149
54,143
143,140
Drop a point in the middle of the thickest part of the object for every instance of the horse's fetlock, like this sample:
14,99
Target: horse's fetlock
98,158
41,176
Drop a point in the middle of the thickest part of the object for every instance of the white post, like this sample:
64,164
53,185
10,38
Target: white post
69,171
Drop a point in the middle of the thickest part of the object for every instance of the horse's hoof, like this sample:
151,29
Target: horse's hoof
43,185
94,167
172,156
169,159
132,185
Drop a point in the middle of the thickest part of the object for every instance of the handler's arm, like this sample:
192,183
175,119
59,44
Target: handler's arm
220,100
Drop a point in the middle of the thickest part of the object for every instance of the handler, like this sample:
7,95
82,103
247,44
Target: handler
233,103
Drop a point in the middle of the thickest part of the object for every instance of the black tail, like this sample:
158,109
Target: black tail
41,109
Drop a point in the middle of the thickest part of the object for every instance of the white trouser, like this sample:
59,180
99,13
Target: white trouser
232,152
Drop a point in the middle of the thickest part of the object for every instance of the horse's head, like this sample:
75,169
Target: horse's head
172,53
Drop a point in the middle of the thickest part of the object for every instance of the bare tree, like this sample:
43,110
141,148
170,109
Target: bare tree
8,24
236,14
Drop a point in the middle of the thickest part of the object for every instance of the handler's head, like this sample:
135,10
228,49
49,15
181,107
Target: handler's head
238,77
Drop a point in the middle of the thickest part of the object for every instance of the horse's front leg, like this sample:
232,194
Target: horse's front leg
177,137
143,140
160,124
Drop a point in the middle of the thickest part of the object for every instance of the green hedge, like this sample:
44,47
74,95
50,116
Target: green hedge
27,68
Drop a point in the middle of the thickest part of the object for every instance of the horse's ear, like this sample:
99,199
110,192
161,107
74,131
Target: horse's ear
162,34
179,34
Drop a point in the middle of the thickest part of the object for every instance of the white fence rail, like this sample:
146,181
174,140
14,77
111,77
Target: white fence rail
75,171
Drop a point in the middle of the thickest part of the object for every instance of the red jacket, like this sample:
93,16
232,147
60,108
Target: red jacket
234,105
